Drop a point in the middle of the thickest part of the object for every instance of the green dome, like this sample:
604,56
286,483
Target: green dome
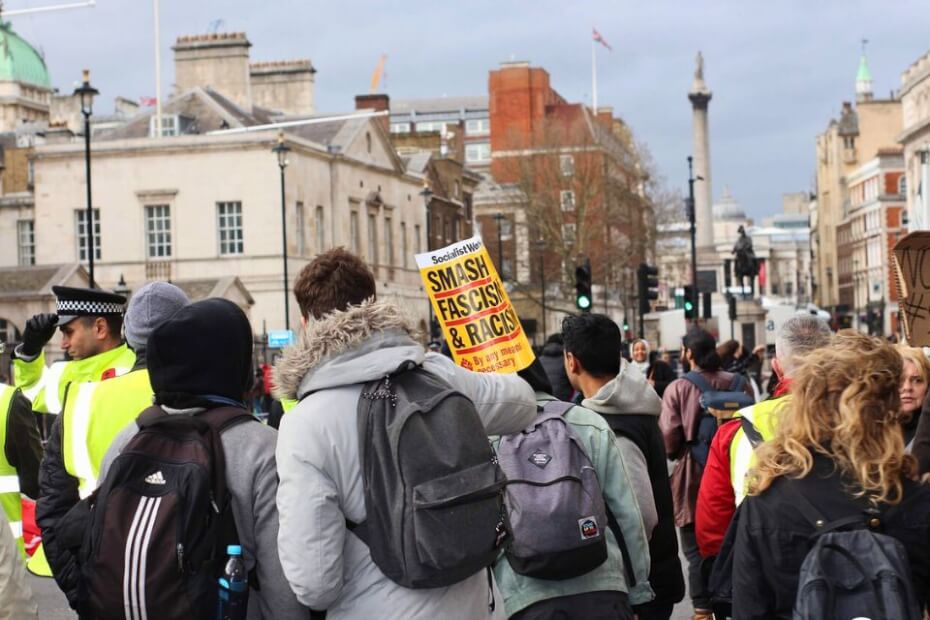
19,61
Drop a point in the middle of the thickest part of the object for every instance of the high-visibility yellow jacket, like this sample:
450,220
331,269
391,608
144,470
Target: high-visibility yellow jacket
764,418
10,498
95,412
45,386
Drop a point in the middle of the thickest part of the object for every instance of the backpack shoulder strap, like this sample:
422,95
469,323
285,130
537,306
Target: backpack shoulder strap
816,518
738,383
752,433
698,380
554,409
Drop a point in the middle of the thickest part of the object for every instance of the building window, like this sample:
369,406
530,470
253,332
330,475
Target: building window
568,233
400,127
902,185
320,232
31,173
455,229
567,200
425,126
418,243
299,217
368,141
80,219
477,152
355,239
170,126
229,226
372,239
26,247
567,165
388,242
8,332
478,127
403,244
158,231
506,227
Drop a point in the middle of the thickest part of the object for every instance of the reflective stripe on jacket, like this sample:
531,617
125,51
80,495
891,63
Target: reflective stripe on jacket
764,418
45,387
95,412
10,498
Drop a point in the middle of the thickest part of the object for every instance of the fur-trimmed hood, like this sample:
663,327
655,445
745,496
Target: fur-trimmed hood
356,345
629,393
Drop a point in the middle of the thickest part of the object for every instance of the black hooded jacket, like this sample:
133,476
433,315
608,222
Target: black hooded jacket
554,365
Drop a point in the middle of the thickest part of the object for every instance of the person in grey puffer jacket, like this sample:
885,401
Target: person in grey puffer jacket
348,339
198,359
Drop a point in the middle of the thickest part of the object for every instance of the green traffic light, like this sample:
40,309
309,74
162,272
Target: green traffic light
583,302
689,306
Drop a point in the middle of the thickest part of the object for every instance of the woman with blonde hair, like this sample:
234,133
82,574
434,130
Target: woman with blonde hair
839,449
914,380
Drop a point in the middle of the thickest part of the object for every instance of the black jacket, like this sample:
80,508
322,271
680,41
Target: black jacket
772,538
921,447
665,575
554,365
58,493
662,375
23,448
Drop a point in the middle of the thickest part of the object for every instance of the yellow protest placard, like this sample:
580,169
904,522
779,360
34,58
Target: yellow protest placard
477,318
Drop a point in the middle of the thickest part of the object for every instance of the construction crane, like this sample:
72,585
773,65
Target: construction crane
376,75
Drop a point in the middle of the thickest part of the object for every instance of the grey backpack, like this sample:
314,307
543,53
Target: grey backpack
433,489
853,571
555,504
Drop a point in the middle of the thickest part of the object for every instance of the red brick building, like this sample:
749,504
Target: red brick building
565,185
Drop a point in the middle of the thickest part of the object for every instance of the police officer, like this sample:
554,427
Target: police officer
19,457
90,322
94,413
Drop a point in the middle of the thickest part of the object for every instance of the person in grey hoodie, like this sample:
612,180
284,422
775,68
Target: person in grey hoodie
199,359
347,339
619,391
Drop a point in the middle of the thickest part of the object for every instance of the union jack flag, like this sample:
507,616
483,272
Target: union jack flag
597,37
147,102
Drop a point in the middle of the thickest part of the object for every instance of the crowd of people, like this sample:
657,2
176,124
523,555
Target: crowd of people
374,492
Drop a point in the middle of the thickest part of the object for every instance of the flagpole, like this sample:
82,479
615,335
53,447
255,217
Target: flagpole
594,76
157,70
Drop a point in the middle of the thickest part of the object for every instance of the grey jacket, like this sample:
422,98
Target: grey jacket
16,601
252,481
630,393
318,464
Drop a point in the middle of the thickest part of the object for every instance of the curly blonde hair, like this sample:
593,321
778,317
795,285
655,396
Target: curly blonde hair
844,405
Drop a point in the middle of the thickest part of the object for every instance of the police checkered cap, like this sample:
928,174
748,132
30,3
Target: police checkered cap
75,302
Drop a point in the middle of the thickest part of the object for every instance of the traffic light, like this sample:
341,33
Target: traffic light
731,306
708,312
690,306
583,297
647,278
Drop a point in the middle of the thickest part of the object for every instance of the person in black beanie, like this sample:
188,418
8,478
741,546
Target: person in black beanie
199,359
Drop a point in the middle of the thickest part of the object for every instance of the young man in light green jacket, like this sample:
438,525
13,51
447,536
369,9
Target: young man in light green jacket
604,592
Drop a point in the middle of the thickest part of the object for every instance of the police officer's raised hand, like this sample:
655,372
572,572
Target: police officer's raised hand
39,330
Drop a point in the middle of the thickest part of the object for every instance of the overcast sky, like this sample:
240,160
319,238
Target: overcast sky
779,70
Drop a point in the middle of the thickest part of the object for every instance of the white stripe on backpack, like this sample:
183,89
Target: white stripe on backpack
137,544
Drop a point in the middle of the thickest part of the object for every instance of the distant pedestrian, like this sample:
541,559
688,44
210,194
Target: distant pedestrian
914,381
837,452
554,364
16,600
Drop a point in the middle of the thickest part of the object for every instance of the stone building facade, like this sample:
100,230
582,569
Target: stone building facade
915,138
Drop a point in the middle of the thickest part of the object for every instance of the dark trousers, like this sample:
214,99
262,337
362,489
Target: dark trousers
587,606
655,610
697,585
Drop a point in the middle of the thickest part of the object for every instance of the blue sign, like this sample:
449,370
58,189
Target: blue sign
280,338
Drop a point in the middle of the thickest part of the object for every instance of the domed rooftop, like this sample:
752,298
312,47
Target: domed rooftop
19,61
727,208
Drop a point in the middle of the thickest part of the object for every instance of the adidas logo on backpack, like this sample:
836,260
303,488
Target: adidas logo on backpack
156,478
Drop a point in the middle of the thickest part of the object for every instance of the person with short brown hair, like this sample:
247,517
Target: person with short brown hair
335,280
348,339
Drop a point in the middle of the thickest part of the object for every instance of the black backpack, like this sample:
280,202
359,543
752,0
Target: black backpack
732,399
433,488
852,570
161,520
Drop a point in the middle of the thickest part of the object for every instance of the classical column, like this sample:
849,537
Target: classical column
700,97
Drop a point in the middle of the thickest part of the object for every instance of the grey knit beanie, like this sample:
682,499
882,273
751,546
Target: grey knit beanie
151,306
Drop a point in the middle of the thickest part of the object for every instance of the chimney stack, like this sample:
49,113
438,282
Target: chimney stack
376,103
219,61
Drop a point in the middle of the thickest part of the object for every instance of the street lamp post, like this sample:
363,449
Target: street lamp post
541,246
281,150
692,222
85,92
500,245
427,194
